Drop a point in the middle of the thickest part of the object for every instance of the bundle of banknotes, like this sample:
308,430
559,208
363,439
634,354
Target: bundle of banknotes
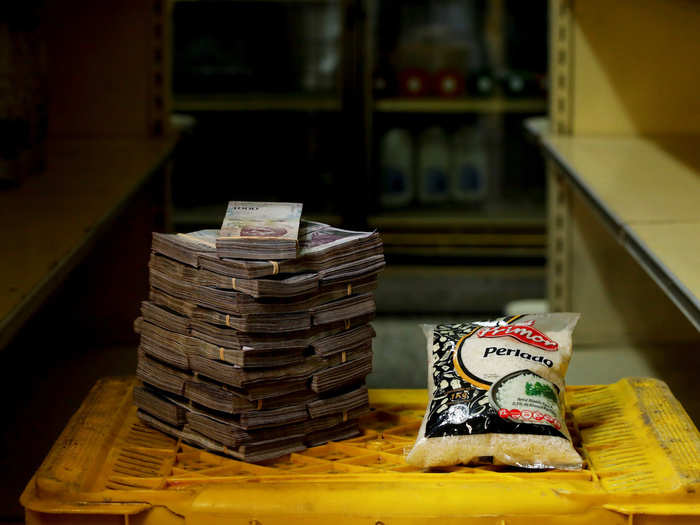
255,358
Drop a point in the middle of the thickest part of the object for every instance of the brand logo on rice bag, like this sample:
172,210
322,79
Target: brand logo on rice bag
524,333
481,362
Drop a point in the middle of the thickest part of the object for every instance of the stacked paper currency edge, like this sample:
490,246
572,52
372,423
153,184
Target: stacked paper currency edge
256,359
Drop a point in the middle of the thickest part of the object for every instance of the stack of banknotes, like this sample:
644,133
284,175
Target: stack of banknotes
255,358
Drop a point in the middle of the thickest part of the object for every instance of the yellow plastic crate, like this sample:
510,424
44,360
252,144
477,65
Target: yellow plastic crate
642,452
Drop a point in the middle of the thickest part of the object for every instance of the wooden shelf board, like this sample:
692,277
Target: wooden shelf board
670,252
638,179
460,105
536,126
647,191
49,223
679,242
256,102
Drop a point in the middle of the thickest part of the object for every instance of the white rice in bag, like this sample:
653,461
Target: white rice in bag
496,391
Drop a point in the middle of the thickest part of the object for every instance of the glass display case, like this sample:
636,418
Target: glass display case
401,116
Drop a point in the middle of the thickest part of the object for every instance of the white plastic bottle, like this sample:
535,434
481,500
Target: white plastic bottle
468,165
433,167
396,164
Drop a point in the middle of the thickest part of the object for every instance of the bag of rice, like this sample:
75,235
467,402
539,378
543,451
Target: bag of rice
496,391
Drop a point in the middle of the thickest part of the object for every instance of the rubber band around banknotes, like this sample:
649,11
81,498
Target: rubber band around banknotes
221,353
345,416
233,283
260,404
275,267
343,356
349,289
228,320
347,324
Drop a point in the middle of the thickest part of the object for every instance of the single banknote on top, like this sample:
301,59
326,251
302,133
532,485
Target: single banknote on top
259,230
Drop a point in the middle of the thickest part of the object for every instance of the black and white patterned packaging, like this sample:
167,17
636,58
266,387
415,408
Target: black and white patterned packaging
496,392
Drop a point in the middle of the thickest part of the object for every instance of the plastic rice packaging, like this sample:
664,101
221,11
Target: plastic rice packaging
496,393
